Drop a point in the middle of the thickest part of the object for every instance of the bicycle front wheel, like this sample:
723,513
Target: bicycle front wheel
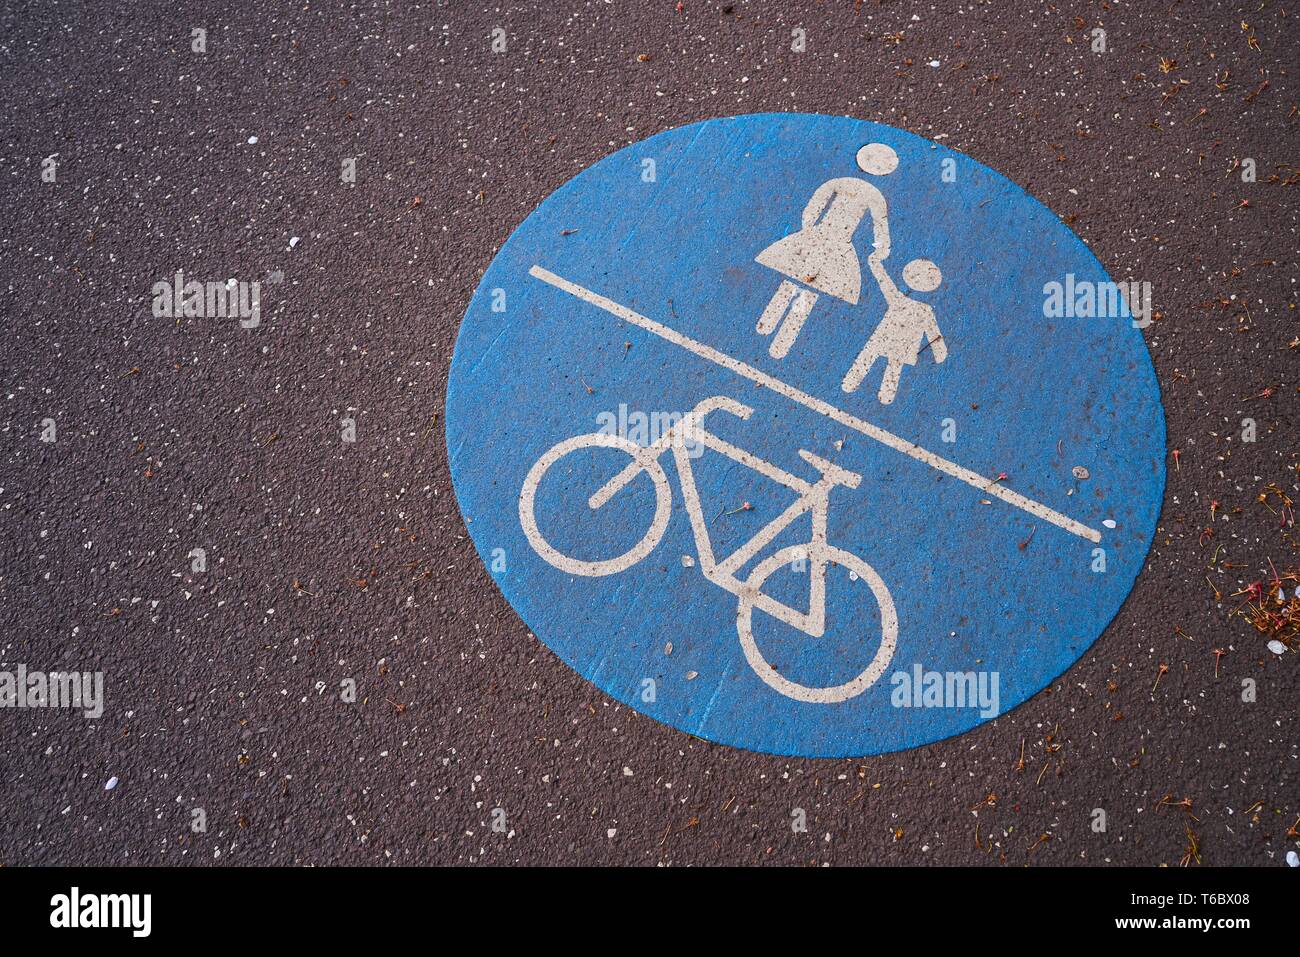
646,459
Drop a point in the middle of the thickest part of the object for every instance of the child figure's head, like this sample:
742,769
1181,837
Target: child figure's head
922,275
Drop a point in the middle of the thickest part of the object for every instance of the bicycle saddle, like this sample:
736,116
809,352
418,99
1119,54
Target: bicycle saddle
832,471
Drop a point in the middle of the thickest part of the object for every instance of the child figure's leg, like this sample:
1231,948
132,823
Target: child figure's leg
794,320
889,383
777,306
861,366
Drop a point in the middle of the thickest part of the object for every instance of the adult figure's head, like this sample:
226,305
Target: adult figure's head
877,159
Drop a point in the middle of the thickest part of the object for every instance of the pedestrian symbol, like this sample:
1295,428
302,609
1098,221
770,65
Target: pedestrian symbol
850,520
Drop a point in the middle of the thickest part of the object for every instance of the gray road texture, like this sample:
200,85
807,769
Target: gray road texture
328,561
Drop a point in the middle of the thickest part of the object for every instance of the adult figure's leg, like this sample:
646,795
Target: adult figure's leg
794,320
777,306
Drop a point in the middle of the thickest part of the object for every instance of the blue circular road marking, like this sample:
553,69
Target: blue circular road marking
806,435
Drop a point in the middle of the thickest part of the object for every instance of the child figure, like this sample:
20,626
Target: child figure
906,324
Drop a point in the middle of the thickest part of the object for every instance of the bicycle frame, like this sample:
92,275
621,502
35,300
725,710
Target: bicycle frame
811,497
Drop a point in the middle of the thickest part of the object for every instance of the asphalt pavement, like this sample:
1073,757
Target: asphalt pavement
326,561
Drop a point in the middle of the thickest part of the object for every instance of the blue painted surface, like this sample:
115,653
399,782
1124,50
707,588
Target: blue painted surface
681,250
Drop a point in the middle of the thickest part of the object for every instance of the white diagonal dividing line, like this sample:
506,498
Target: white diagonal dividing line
895,442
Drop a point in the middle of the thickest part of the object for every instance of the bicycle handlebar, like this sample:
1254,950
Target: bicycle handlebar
725,403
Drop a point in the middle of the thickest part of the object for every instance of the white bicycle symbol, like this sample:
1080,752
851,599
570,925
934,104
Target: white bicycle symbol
811,497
